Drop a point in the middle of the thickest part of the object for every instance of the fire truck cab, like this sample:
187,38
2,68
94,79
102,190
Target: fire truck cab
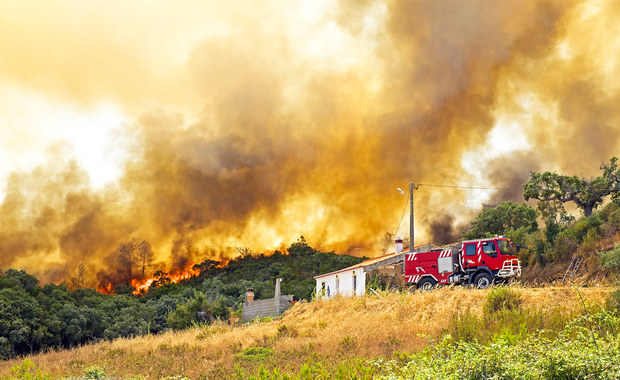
479,262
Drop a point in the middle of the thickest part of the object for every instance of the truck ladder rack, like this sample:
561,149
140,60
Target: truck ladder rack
572,268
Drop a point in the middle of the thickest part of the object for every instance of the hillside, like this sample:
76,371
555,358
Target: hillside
34,317
317,336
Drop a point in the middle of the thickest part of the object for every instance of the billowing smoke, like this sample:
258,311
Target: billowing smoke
272,139
444,231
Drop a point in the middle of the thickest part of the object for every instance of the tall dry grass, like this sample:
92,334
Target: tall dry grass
320,331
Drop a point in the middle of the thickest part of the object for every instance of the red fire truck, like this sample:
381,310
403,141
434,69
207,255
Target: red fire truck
479,262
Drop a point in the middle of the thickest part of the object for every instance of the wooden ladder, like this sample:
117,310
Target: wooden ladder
572,268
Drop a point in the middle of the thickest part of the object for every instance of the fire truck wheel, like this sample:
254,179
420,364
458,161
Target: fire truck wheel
426,284
483,280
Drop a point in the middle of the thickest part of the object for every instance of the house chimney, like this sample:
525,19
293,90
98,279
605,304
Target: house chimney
398,245
277,292
249,295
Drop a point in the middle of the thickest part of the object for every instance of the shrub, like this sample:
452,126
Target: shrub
255,354
348,344
502,298
537,248
611,259
28,371
94,373
613,301
585,225
590,243
565,244
570,354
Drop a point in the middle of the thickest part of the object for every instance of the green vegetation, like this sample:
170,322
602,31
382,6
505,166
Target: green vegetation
259,272
34,318
578,237
571,354
499,220
561,238
587,194
345,338
507,343
611,259
502,298
28,371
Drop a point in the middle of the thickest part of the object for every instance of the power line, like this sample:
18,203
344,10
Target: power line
495,188
469,187
397,227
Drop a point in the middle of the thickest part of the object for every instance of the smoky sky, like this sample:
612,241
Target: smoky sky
266,144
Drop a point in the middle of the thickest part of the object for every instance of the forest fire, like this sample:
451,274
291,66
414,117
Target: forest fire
106,289
142,286
159,278
223,263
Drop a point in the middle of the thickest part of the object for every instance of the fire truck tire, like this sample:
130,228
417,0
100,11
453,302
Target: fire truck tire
426,284
483,280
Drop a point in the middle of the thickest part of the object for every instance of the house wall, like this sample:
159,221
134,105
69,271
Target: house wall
341,284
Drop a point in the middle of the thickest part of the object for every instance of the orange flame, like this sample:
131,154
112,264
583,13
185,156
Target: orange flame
107,290
142,286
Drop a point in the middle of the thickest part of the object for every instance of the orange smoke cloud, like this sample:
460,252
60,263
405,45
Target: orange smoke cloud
305,123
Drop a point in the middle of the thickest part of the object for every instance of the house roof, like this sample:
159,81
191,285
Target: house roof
368,262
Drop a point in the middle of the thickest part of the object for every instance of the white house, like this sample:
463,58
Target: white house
347,282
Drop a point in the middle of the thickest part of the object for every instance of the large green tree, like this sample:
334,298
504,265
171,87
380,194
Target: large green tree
502,218
586,193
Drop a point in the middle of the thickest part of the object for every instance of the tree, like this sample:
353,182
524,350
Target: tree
197,310
79,278
502,218
126,253
243,251
144,255
587,194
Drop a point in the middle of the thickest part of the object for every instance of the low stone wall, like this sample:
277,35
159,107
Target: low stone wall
270,307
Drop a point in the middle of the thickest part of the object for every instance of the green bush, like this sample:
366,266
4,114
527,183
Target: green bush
255,354
564,246
590,243
571,354
502,298
611,259
613,301
28,371
586,225
537,248
94,373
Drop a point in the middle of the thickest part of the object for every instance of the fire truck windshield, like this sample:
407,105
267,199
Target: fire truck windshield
505,248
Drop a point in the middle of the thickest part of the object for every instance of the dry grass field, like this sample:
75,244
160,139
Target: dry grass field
324,332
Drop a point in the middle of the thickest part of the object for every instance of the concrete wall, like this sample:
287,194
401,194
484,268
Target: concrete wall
270,307
341,284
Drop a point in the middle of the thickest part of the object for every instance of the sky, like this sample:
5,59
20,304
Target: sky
203,127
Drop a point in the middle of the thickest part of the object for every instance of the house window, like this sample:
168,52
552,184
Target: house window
337,285
354,282
322,291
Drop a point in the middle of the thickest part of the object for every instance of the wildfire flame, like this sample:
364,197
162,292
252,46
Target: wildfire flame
142,286
106,289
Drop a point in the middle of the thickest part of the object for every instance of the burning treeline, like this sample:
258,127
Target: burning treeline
272,137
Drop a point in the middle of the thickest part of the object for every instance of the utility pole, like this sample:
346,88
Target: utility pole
411,220
411,245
